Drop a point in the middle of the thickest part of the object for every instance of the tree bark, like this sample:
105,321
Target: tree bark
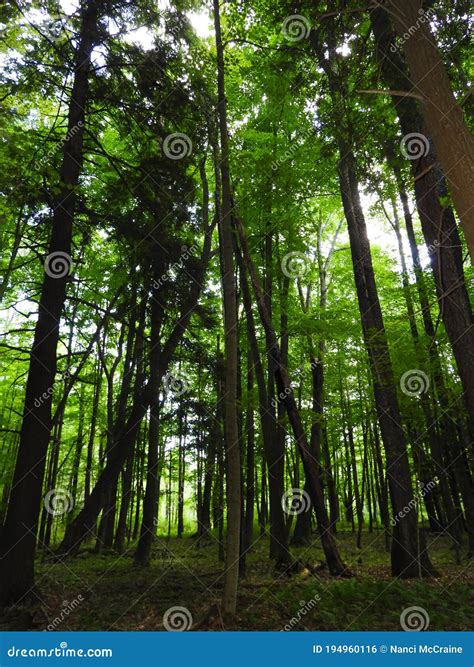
18,541
442,113
231,572
437,222
150,501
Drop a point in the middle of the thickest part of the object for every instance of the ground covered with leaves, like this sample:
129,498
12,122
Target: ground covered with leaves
108,592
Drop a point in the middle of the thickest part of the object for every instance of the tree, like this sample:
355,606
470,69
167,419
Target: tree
19,531
442,112
229,598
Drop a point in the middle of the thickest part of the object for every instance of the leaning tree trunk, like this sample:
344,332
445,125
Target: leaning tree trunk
442,239
437,222
442,113
18,542
286,395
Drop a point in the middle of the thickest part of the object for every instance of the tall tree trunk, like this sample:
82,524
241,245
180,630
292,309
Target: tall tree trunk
127,474
53,478
407,558
355,474
181,470
150,502
204,526
219,524
18,541
437,222
442,113
250,461
331,484
229,596
303,523
442,239
74,480
92,429
434,436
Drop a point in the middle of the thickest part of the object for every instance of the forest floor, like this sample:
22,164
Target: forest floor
108,592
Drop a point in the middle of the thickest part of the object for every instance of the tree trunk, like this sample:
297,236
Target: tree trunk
181,470
250,461
278,533
93,424
19,531
204,526
438,223
442,113
150,501
127,474
285,394
407,558
229,596
73,484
